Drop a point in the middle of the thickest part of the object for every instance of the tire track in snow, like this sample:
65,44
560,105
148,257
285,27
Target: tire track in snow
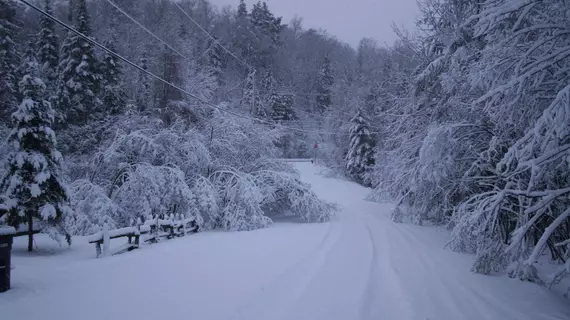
334,291
387,294
369,294
453,281
419,278
450,292
283,290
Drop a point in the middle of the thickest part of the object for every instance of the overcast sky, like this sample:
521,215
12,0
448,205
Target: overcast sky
348,20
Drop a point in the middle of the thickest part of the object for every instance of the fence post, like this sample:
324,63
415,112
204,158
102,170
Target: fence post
106,240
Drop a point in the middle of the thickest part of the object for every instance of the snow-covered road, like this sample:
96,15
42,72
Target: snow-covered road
359,266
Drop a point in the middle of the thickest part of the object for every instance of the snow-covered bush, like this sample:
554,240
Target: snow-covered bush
154,190
165,147
92,209
240,200
287,195
247,199
240,143
206,203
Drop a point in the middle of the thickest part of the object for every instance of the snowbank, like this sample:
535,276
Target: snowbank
114,233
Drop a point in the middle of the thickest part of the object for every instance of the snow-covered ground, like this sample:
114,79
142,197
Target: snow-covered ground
359,266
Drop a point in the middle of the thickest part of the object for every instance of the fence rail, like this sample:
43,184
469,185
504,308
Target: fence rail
296,159
155,229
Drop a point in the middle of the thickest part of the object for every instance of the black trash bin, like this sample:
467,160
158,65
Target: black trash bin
6,236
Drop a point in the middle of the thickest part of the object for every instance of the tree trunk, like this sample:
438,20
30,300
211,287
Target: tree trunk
30,232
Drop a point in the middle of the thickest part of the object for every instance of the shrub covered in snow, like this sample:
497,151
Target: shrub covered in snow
206,203
92,209
228,179
148,190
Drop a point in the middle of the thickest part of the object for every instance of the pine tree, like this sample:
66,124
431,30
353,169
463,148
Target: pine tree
33,188
113,96
8,61
144,99
324,86
266,29
360,156
242,9
259,111
248,96
264,20
242,39
268,83
281,107
266,88
79,75
215,62
70,14
48,46
253,98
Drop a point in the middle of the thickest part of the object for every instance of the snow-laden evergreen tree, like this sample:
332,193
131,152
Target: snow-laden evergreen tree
113,96
8,61
281,107
267,86
215,62
267,30
325,81
144,97
248,98
274,104
242,9
79,72
70,12
48,45
259,110
360,156
242,35
33,189
268,83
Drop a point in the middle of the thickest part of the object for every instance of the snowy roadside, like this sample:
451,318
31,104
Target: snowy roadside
207,275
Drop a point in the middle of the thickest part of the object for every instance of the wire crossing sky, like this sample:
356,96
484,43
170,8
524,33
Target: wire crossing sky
348,20
207,103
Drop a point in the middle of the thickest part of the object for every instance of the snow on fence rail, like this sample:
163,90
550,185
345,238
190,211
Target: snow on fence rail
117,233
5,231
296,159
155,228
22,229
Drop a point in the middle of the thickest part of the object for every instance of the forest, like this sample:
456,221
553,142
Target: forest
464,122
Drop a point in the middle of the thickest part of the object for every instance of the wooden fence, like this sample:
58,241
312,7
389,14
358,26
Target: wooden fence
152,229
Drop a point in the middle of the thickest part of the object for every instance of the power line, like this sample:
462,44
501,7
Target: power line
211,36
94,42
145,29
209,104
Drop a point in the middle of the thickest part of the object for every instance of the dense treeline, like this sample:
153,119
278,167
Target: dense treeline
94,141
